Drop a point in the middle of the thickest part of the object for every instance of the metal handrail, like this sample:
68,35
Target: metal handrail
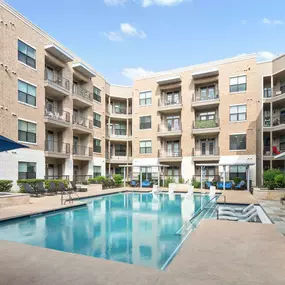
57,79
56,114
82,121
81,92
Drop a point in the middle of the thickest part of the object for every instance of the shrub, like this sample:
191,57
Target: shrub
279,180
237,180
269,178
32,182
118,179
6,185
181,180
168,180
56,182
97,180
196,184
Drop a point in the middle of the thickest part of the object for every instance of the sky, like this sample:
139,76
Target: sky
125,39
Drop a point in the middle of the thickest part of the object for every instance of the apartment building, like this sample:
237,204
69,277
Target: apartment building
78,126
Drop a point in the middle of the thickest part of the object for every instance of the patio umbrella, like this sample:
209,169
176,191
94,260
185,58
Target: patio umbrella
7,144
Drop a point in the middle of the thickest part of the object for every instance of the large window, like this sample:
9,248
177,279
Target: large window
27,170
120,108
145,122
26,54
96,94
238,142
97,171
120,130
145,147
97,120
26,93
120,150
27,131
238,84
96,145
238,171
237,113
145,98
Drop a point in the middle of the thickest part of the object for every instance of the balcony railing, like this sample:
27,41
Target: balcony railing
205,124
169,153
172,102
117,133
205,152
53,113
82,93
118,155
276,121
57,146
121,110
56,177
57,79
81,121
169,128
82,150
209,96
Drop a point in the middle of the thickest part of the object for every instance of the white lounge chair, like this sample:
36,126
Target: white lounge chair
250,218
235,217
154,189
236,210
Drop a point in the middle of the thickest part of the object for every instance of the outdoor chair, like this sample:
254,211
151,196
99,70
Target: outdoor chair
134,183
52,188
236,210
226,215
30,190
146,183
65,190
240,186
41,189
208,184
76,188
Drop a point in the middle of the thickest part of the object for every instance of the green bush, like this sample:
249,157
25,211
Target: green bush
56,182
168,180
237,180
181,180
196,184
279,180
6,185
201,124
32,182
118,179
97,180
269,178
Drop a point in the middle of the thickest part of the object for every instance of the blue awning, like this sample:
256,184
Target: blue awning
7,144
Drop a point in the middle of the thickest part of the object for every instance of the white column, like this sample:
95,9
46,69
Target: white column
202,176
224,177
158,183
124,176
140,177
248,177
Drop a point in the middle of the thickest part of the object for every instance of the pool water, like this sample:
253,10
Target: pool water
136,228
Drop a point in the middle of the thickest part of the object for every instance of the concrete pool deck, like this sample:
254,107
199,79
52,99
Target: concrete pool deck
217,252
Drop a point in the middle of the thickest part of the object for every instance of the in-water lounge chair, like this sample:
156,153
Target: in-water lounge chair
237,217
236,210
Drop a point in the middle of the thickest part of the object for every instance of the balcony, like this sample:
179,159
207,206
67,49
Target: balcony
56,85
164,130
118,135
170,155
209,154
274,95
82,125
118,157
81,97
57,119
278,123
57,149
166,106
81,152
205,101
206,127
120,112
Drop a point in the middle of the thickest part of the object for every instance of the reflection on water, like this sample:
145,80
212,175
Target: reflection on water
133,228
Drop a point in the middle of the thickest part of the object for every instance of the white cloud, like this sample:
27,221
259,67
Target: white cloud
267,21
115,2
130,30
265,55
137,72
146,3
113,36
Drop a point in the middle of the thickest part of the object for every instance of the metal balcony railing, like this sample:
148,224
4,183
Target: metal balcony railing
82,150
169,102
276,121
206,152
82,93
56,177
205,124
81,121
57,79
169,127
205,97
51,112
170,153
57,146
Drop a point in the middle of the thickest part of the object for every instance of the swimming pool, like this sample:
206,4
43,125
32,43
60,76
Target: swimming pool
136,228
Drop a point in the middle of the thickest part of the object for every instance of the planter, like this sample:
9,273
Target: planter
265,194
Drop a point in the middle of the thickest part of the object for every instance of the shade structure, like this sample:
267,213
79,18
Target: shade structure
7,144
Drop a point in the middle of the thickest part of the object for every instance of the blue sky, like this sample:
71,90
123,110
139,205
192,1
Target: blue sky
126,38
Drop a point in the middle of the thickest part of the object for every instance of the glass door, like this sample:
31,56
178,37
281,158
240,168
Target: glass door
50,141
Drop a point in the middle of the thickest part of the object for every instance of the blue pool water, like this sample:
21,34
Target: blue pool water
134,228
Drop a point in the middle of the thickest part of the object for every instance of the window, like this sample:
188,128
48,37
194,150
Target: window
119,170
96,145
145,147
26,54
26,93
120,108
173,123
145,122
27,170
96,171
238,142
96,94
238,171
120,130
238,84
120,150
208,93
145,98
27,131
96,120
237,113
172,98
207,116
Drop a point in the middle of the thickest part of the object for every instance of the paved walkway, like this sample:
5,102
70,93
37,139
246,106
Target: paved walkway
276,211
